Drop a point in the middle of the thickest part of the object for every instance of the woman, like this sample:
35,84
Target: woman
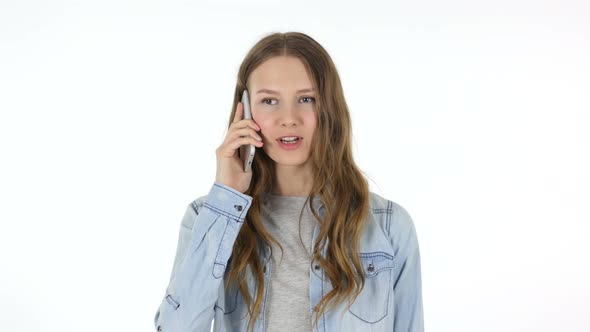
351,258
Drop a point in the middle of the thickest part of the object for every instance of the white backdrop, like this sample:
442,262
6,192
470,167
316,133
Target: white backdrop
472,115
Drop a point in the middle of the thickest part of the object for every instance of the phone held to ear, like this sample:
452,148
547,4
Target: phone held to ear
246,152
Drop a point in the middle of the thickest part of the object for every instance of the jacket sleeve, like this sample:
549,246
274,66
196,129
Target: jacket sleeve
407,287
208,231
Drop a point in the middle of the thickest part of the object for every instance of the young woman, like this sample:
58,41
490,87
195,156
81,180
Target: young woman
349,260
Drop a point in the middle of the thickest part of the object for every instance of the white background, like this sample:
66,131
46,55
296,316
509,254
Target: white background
472,115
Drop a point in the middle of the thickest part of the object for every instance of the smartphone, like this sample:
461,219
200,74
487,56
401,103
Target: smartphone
246,152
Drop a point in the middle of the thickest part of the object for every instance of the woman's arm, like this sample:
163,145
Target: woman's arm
208,231
407,287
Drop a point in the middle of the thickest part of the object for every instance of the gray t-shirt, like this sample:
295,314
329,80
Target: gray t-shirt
288,306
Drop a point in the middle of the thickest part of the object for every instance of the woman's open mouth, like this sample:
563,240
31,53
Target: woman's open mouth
290,144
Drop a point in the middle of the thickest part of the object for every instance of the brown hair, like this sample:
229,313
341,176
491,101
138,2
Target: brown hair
337,180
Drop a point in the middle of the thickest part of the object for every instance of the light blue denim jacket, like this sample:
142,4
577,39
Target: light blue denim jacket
390,301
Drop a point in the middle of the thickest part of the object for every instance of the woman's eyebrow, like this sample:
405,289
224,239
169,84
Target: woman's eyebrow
277,93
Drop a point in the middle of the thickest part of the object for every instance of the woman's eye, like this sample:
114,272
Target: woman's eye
264,101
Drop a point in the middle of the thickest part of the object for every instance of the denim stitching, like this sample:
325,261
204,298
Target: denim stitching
323,315
172,302
231,192
363,256
230,311
218,250
387,305
374,254
222,212
388,219
195,206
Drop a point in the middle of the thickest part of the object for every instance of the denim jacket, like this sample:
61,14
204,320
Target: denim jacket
391,299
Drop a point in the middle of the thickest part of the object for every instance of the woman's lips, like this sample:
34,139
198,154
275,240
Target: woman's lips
290,146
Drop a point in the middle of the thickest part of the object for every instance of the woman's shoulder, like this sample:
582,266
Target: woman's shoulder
394,218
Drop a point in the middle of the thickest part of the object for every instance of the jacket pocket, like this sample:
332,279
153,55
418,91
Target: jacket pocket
372,303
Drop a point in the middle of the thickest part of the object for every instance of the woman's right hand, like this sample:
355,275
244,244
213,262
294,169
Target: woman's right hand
230,167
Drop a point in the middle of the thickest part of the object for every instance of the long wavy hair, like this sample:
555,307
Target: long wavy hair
337,180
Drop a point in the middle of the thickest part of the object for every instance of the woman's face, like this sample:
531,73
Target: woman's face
283,104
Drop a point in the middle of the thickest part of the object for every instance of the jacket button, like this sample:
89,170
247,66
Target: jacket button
371,268
264,270
159,328
238,207
317,267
